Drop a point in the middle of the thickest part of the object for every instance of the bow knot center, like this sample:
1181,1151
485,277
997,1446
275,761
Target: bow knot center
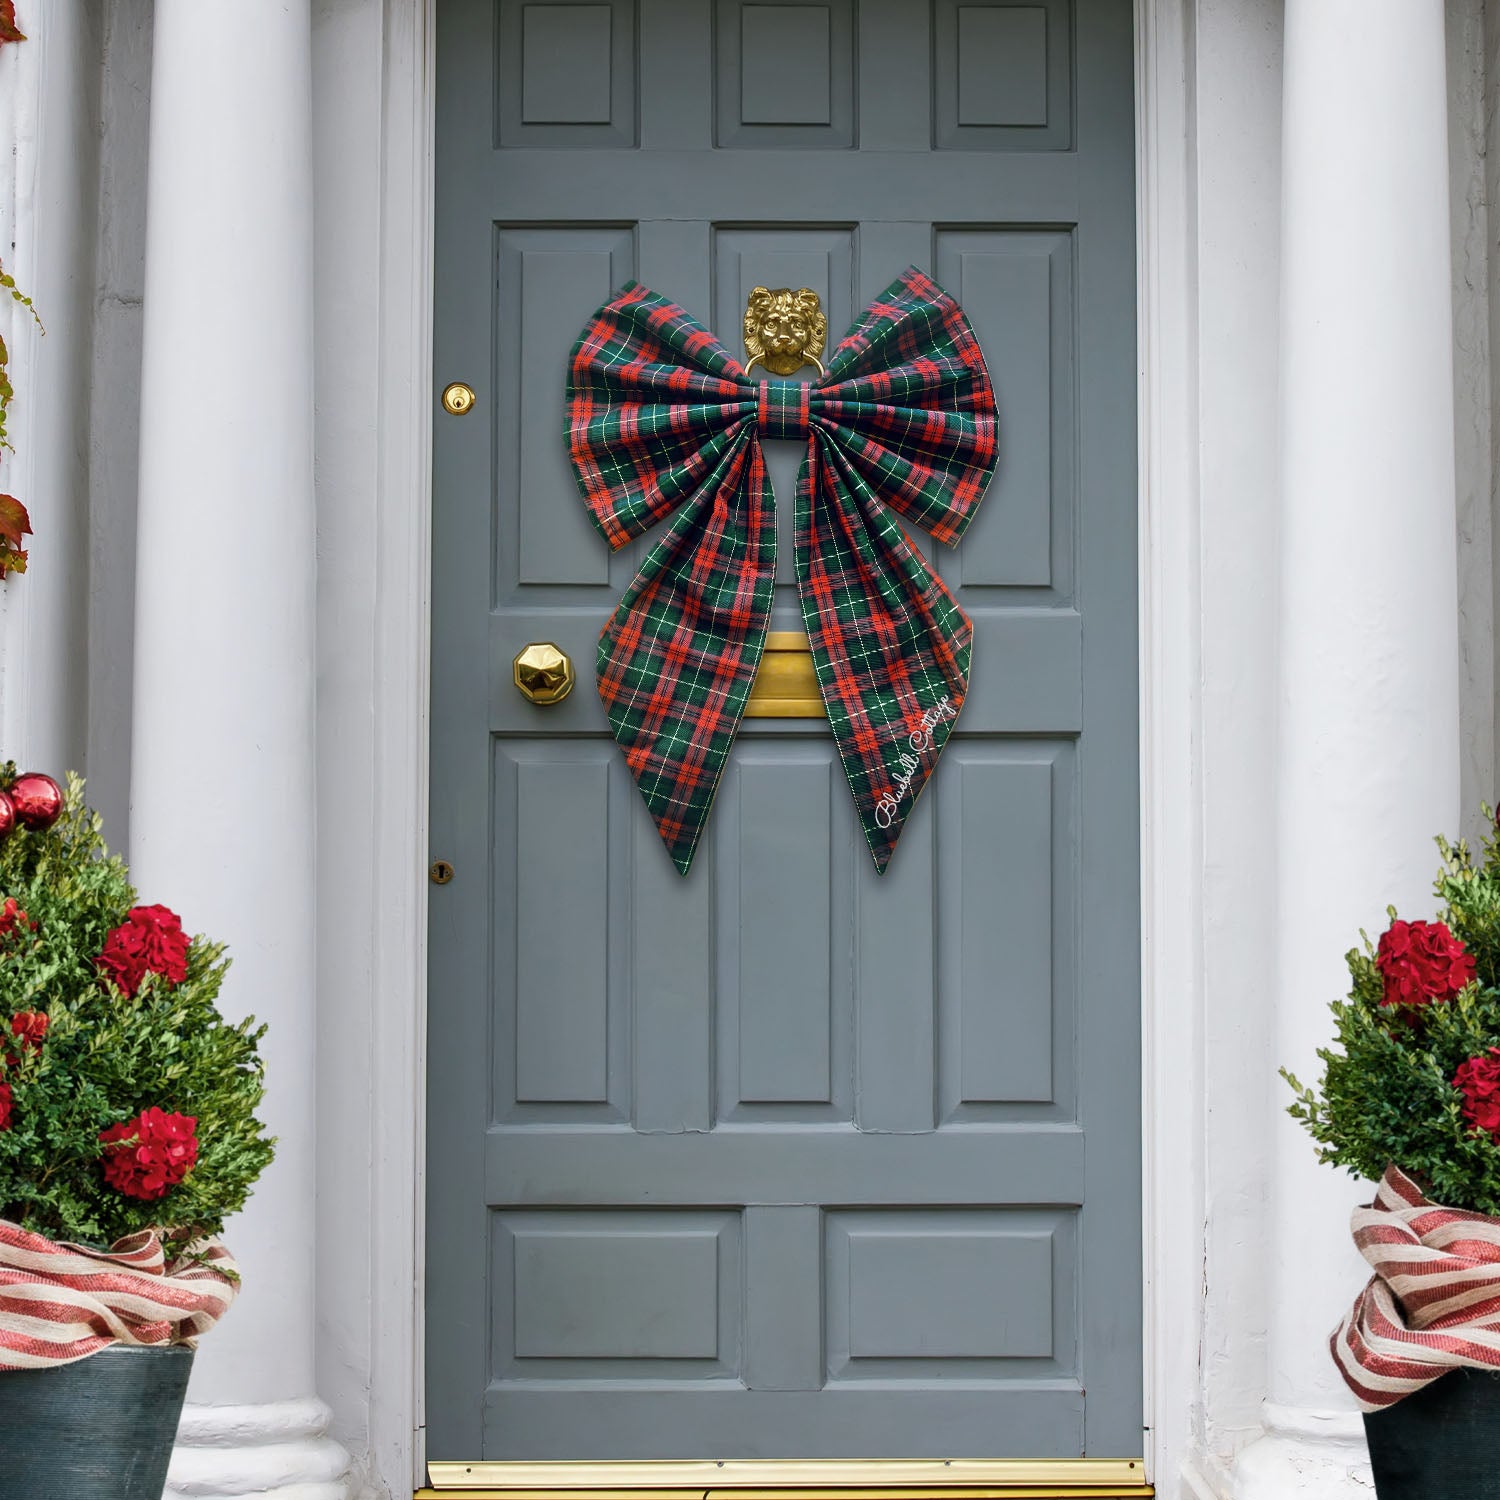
784,409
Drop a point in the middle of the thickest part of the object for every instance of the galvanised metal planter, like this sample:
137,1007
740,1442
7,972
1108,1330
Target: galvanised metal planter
99,1429
1439,1443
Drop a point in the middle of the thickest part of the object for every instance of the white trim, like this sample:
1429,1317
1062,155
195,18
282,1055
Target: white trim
1171,823
402,627
1171,738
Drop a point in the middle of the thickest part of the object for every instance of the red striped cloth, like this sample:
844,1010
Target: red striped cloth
60,1303
1433,1303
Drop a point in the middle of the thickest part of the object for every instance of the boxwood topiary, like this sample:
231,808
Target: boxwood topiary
118,1042
1406,1081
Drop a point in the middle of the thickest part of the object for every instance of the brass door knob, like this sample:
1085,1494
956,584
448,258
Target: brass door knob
544,673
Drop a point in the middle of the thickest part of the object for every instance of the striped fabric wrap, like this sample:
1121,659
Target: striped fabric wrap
60,1303
1432,1305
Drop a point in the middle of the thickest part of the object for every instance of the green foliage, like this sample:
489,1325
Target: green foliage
107,1057
8,282
8,288
1387,1094
7,395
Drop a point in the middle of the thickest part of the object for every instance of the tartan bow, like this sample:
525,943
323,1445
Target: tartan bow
662,418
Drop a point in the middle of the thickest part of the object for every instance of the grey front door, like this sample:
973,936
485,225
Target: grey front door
786,1159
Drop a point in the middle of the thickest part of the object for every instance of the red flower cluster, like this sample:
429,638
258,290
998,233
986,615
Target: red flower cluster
13,919
1478,1080
1421,962
148,1156
29,1027
149,941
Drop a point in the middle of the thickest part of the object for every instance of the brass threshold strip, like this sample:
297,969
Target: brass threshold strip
801,1479
978,1492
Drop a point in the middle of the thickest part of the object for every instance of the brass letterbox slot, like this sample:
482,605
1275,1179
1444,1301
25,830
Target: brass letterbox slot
786,687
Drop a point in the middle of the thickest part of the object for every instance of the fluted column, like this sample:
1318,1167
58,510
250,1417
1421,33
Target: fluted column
1368,759
222,770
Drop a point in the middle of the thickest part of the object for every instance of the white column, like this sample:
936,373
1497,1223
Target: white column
222,774
1368,758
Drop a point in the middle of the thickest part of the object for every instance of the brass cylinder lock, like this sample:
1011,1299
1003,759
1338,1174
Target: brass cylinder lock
440,872
458,399
543,673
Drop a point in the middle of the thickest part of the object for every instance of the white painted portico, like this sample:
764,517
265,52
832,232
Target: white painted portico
1317,643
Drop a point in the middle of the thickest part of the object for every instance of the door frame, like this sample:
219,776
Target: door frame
1170,650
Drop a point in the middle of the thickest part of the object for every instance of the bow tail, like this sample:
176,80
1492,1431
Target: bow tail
678,656
890,644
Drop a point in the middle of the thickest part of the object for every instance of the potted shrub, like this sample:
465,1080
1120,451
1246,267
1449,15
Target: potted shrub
127,1134
1411,1098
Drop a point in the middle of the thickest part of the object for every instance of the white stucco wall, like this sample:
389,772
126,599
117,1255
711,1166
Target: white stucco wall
73,105
48,187
124,84
1468,121
1486,145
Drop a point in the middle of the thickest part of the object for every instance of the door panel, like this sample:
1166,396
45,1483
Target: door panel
786,1159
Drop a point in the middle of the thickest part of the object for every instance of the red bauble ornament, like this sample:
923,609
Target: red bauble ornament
7,816
38,800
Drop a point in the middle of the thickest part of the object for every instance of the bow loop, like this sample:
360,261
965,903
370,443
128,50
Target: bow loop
910,385
652,399
662,418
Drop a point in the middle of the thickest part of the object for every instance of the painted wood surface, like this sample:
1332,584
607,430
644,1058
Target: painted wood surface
786,1159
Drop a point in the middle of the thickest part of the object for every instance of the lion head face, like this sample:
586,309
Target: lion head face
783,328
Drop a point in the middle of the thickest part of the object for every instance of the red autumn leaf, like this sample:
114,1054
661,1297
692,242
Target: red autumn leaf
14,522
9,31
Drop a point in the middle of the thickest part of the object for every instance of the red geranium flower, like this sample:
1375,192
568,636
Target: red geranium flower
148,1156
1478,1080
12,918
4,1106
149,941
1421,962
30,1026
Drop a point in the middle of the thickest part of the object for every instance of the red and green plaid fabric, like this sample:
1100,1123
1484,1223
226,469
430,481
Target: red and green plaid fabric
662,419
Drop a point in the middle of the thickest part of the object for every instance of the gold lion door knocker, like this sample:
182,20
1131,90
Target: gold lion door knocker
784,330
